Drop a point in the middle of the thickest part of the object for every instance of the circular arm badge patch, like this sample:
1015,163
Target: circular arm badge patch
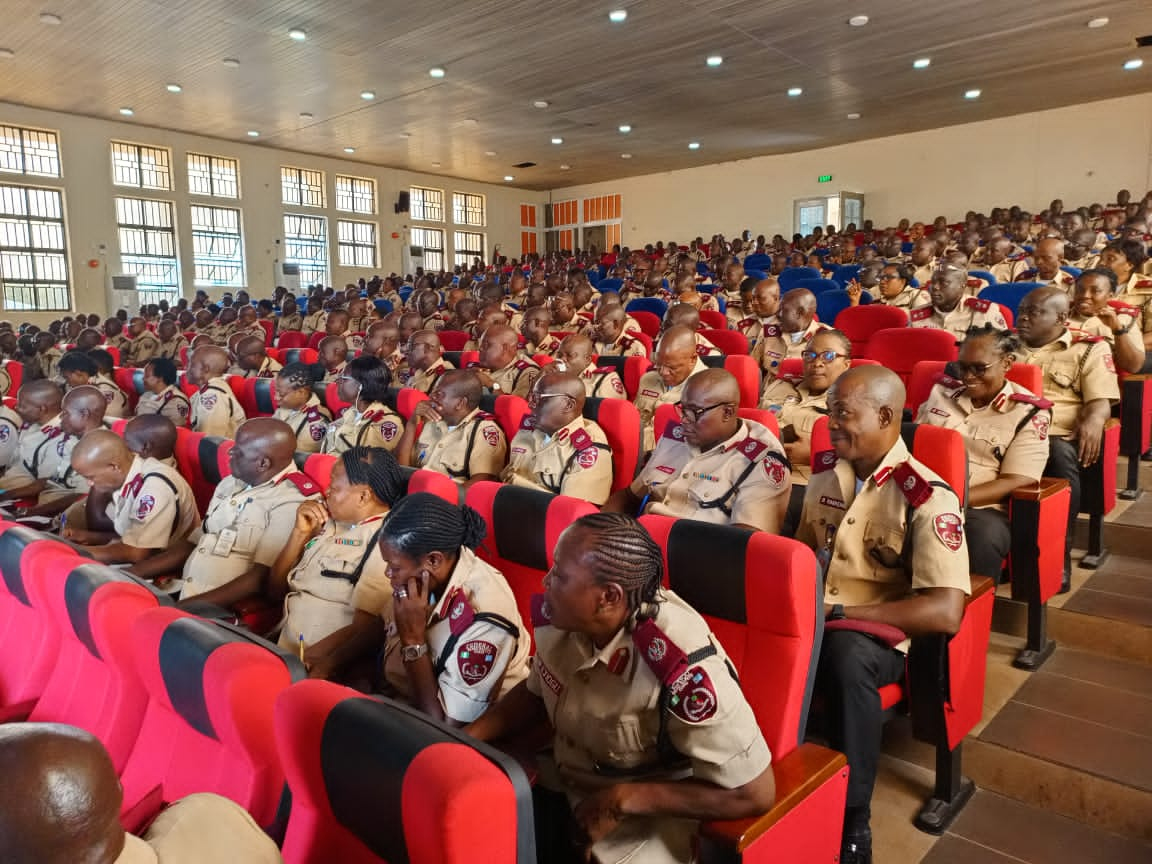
475,659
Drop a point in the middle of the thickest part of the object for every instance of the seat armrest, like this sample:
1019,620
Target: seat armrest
797,776
1043,489
981,585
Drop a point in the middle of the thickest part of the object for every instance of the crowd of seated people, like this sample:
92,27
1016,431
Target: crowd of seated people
495,374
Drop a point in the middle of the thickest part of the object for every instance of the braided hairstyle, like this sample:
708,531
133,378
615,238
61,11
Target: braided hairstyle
621,551
1006,343
377,469
298,376
423,523
373,376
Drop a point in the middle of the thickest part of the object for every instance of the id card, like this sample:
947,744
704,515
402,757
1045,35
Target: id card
224,542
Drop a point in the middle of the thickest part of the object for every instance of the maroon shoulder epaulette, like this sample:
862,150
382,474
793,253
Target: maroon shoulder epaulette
751,448
528,423
916,489
825,460
524,364
581,440
603,370
303,482
923,313
484,415
1081,337
459,612
772,330
1124,308
947,380
627,342
313,413
1024,275
674,431
703,350
745,323
1029,399
977,304
664,657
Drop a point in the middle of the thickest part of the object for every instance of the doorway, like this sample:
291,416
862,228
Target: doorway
594,235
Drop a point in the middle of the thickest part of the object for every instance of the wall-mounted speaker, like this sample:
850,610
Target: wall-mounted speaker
403,202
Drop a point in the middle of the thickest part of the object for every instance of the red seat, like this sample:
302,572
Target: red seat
15,370
374,781
203,462
260,397
523,527
318,466
208,722
94,683
184,357
634,369
435,483
454,340
924,378
760,595
298,355
858,323
126,380
315,339
115,352
468,358
621,424
649,322
509,411
269,329
292,339
407,398
238,384
715,320
746,372
730,342
645,340
330,396
900,348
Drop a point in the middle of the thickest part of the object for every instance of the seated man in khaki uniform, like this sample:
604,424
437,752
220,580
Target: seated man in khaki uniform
575,355
142,345
765,303
1047,256
161,394
797,325
382,340
610,333
449,433
501,371
70,776
713,466
426,361
42,449
290,318
151,505
674,361
890,536
557,449
170,341
252,360
215,409
117,401
534,328
951,308
683,315
333,356
114,335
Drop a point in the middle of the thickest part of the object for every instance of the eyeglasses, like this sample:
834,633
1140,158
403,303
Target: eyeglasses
884,277
826,356
535,399
693,415
979,370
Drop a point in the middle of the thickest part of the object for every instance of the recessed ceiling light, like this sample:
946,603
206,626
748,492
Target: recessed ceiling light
367,95
565,167
714,60
971,94
1097,23
693,145
922,63
795,91
625,129
405,134
489,152
437,72
541,103
174,88
1133,64
557,140
51,19
5,53
231,62
435,164
508,178
305,115
252,133
625,155
349,149
854,116
616,16
127,112
858,20
297,34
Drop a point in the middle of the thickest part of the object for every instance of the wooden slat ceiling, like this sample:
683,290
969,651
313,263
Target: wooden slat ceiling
501,55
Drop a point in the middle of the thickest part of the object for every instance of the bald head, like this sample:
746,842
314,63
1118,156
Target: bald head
60,799
713,385
797,309
675,356
865,406
82,410
575,352
682,315
207,362
264,447
100,449
557,399
151,436
497,346
707,428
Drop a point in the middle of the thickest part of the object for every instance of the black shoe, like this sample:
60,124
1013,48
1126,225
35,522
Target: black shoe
1065,581
856,850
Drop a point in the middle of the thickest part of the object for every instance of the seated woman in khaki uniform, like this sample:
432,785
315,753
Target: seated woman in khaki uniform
455,638
367,422
329,574
594,689
300,407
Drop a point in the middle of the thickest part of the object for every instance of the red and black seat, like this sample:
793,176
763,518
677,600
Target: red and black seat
730,342
291,339
621,424
373,780
263,398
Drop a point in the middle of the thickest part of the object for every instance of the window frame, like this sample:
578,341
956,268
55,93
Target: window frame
211,175
424,204
23,153
151,287
322,245
460,205
216,233
300,172
140,148
36,285
353,244
458,251
436,250
355,196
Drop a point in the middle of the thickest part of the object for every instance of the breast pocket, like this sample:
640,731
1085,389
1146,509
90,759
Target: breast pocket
883,543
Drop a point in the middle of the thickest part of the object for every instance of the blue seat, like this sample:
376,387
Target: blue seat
609,285
789,276
593,276
816,286
755,274
758,262
602,269
648,304
1075,271
845,273
702,268
907,246
1008,294
983,274
829,304
404,293
384,306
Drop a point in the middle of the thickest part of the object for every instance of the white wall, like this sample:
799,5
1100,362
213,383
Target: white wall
1082,153
91,219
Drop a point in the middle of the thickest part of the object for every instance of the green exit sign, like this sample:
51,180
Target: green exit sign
824,178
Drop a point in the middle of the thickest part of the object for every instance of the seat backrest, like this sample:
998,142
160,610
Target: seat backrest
745,370
858,323
15,370
331,398
652,305
634,369
454,340
817,285
761,595
315,339
263,398
1008,294
845,273
986,275
115,352
203,462
374,780
1028,376
467,358
523,527
291,339
318,467
713,320
922,381
269,328
208,723
728,341
435,483
648,320
125,378
609,285
900,348
508,409
299,355
621,424
407,398
830,304
789,276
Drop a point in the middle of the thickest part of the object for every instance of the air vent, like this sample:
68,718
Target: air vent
524,165
1144,41
123,283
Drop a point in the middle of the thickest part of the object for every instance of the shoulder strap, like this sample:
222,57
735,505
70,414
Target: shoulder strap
722,501
467,450
454,638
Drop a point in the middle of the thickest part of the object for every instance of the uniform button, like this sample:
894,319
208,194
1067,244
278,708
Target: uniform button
843,556
851,520
833,590
823,521
683,476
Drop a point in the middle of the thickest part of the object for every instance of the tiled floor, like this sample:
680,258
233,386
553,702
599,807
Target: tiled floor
1120,590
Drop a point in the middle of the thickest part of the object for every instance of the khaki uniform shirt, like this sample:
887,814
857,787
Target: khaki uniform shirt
139,350
426,380
49,363
516,378
602,382
171,348
268,369
1087,262
775,345
314,321
120,343
113,395
289,322
197,828
5,382
484,660
753,328
908,299
360,324
1129,318
309,424
548,345
969,312
680,480
625,346
332,374
476,446
1062,279
215,410
1009,435
859,535
605,705
798,409
575,461
376,426
1008,269
10,423
154,507
322,598
1075,372
170,402
45,453
923,274
1138,292
651,394
244,526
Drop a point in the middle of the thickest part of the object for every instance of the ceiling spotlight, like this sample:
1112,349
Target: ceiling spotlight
565,167
557,140
305,115
1133,64
231,62
1097,23
858,20
405,134
714,60
367,95
127,112
489,152
971,94
508,178
349,149
854,116
693,145
252,133
617,16
51,19
435,164
540,103
625,129
437,72
625,155
5,53
922,63
297,34
795,91
174,88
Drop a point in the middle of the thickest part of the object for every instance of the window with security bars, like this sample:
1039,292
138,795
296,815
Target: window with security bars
431,240
147,231
214,176
141,167
355,195
33,249
29,151
217,247
469,245
426,205
306,244
301,187
356,242
467,209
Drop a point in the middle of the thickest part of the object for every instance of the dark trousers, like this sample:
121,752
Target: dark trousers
853,668
795,510
1064,462
989,541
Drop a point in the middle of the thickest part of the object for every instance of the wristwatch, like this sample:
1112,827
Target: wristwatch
837,613
412,653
